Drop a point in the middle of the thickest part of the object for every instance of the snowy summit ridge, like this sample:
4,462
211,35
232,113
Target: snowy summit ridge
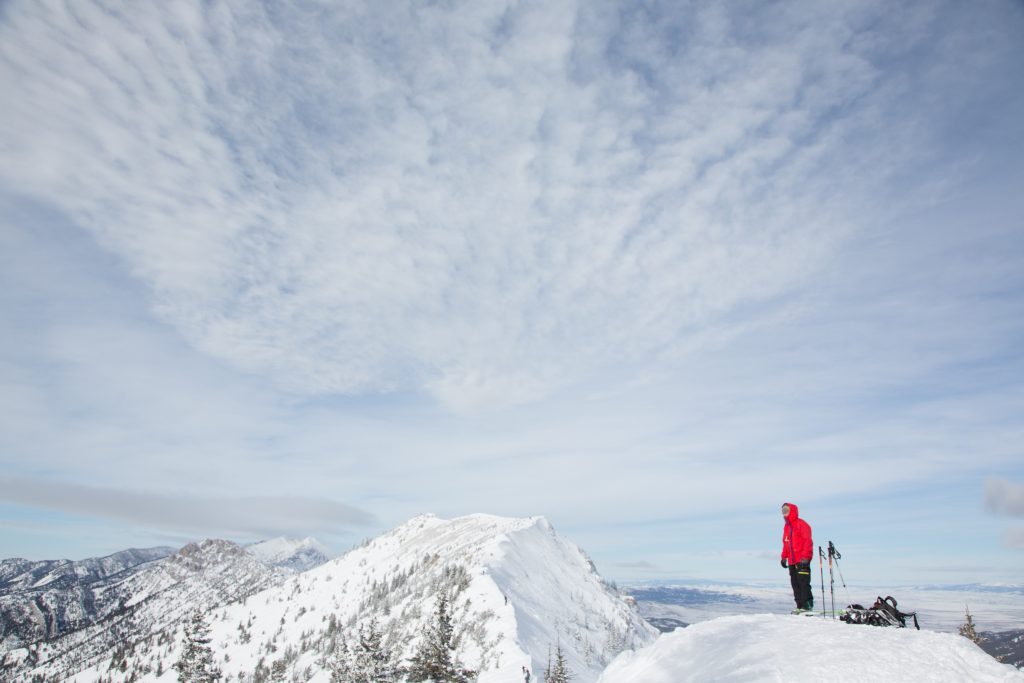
538,589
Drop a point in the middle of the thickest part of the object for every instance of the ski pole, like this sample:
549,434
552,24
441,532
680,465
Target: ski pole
821,571
831,579
835,552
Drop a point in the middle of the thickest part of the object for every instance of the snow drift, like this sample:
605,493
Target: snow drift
790,648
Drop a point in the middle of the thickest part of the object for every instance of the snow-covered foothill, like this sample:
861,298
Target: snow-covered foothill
784,648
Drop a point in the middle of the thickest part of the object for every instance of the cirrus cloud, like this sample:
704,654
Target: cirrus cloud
485,204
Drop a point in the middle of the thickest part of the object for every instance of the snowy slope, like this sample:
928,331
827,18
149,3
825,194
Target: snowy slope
293,555
787,648
520,589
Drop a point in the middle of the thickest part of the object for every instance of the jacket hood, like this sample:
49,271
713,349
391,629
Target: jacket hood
794,512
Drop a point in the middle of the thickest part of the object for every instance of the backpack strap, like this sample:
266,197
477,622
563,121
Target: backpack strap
903,615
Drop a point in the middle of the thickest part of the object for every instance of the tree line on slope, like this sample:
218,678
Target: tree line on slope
365,659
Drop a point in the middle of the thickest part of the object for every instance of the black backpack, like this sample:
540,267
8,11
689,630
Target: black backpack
883,613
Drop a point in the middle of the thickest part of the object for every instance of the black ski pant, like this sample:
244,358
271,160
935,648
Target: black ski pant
800,578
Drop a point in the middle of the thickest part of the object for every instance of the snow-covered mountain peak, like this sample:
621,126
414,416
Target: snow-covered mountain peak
207,551
279,546
297,555
525,588
462,536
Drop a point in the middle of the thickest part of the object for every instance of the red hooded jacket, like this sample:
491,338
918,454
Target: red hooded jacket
797,544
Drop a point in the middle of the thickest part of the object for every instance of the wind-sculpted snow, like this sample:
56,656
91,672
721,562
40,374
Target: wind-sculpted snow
787,648
516,589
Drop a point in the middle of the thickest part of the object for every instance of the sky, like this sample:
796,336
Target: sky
648,269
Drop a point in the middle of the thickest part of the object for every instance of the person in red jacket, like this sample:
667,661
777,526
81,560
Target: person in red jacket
797,553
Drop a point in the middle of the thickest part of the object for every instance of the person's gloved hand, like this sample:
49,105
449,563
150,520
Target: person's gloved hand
783,563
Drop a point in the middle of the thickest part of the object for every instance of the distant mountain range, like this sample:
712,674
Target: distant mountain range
23,575
47,599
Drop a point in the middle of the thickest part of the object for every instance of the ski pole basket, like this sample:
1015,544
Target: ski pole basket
883,613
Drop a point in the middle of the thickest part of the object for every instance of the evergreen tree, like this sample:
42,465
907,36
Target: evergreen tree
557,671
279,671
435,660
196,662
967,628
341,662
365,661
373,663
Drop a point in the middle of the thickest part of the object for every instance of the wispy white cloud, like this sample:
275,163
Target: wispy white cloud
485,204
